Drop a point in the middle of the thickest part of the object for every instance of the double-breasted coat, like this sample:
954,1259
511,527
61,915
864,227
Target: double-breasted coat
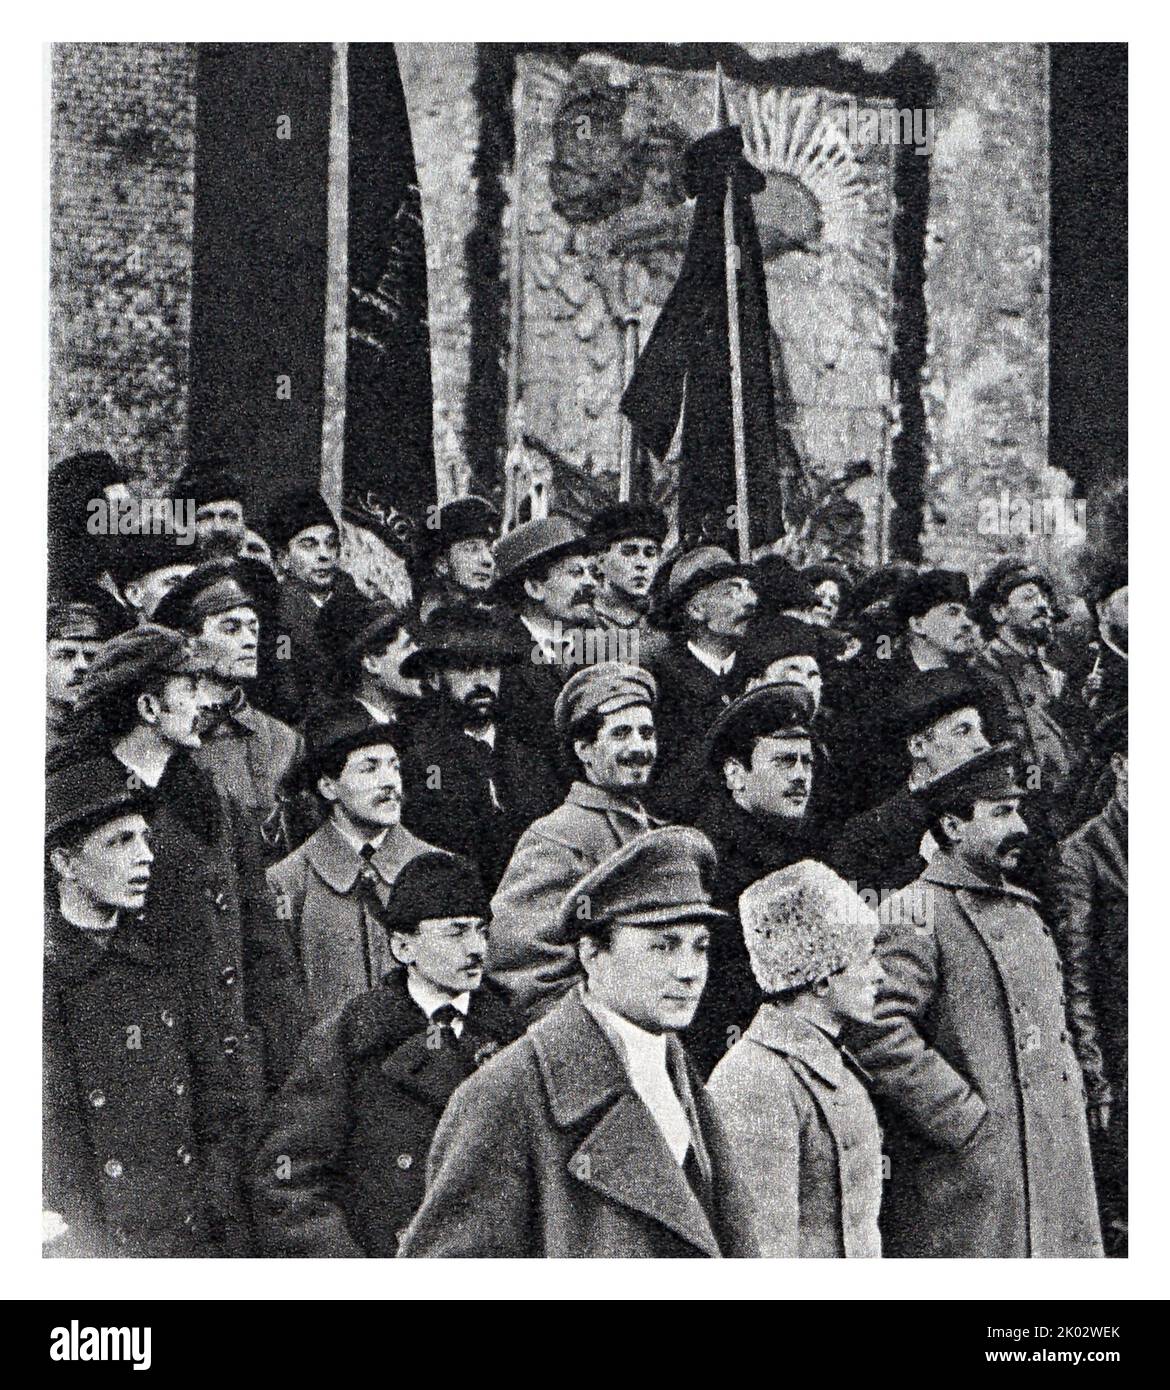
342,1165
806,1137
547,1151
975,1076
526,952
318,890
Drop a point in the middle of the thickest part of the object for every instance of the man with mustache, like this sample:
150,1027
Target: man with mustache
246,752
754,810
341,1168
218,494
74,634
708,602
472,781
454,563
972,1068
627,538
333,887
605,715
592,1135
543,575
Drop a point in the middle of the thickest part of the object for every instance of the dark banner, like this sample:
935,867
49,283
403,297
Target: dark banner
259,259
389,454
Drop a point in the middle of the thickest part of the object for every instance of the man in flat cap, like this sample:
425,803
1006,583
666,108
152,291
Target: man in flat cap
543,576
341,1168
707,602
972,1068
605,716
592,1136
75,630
141,710
247,753
1090,919
331,889
754,810
627,542
454,562
472,780
936,721
307,547
793,1098
123,1109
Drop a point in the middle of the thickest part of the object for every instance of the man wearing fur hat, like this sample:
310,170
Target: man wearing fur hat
454,563
792,1097
627,538
605,715
973,1072
592,1136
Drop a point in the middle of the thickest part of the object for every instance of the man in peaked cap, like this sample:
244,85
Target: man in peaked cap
759,754
791,1095
454,562
543,575
936,719
707,601
627,541
246,752
341,1169
592,1135
472,779
75,631
605,717
969,1056
306,544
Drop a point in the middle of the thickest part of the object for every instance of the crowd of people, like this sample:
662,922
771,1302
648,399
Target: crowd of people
605,901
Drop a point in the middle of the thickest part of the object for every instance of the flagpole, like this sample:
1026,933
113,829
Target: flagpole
735,359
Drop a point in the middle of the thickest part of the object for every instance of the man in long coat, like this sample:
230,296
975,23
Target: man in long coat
970,1058
591,1136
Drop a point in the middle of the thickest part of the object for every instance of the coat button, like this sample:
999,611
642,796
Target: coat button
168,1018
183,1154
230,1043
405,1160
97,1099
179,1086
113,1168
228,974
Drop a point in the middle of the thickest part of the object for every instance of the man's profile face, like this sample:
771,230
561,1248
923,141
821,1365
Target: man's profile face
991,841
652,976
369,789
178,710
1027,613
68,661
949,741
725,607
828,603
312,557
384,664
623,753
469,564
948,628
447,952
629,565
567,591
232,639
147,591
779,779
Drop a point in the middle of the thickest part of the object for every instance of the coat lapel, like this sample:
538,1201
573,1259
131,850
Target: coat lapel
622,1153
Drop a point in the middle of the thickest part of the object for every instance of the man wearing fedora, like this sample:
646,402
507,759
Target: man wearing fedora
936,720
472,781
331,889
707,601
543,576
592,1135
366,642
760,761
972,1068
605,715
454,563
247,753
341,1167
123,1158
627,540
793,1097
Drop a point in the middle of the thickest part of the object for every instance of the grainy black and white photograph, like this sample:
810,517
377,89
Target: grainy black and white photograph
586,652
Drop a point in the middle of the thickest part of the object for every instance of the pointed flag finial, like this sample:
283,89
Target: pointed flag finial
722,116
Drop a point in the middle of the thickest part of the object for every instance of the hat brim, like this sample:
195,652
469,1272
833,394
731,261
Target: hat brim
100,812
427,658
668,916
312,769
672,604
507,584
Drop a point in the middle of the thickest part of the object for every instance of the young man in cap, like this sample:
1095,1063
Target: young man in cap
246,752
936,721
1090,919
972,1068
792,1097
543,575
627,540
341,1168
144,703
74,634
591,1136
307,547
123,1169
332,888
472,782
455,563
760,758
605,715
708,602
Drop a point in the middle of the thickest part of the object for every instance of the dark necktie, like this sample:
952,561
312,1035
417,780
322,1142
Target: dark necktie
371,915
444,1019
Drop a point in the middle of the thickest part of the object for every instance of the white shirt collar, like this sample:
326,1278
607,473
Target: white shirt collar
376,713
487,735
429,998
712,663
357,841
